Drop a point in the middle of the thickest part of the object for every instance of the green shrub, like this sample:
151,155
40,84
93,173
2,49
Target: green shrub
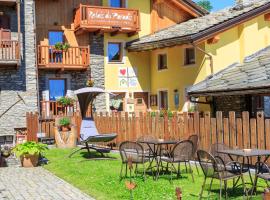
66,101
64,121
29,148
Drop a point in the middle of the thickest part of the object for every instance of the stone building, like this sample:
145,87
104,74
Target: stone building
18,74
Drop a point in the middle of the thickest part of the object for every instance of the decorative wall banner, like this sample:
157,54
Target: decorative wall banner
128,77
123,82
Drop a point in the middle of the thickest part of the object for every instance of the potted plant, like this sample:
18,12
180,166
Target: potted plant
66,101
65,46
64,124
58,47
29,153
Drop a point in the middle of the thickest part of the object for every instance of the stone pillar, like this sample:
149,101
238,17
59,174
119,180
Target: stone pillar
97,68
29,46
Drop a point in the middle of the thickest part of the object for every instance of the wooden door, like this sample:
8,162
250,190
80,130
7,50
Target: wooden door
141,101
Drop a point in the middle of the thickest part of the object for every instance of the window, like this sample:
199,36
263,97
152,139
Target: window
140,101
153,100
115,52
189,56
118,3
163,100
55,37
57,88
261,103
162,61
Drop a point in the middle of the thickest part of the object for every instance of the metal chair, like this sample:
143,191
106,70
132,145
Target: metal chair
262,172
195,141
214,168
181,152
135,152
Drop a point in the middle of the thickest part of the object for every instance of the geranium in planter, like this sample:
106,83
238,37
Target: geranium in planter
65,124
29,153
65,101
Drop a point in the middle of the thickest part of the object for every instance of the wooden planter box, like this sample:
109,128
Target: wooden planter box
66,139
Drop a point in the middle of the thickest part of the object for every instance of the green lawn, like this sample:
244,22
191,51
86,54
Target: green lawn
100,179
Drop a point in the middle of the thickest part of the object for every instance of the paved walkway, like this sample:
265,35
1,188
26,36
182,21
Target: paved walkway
17,183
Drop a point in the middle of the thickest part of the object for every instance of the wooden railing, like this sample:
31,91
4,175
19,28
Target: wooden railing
51,109
106,19
73,58
9,50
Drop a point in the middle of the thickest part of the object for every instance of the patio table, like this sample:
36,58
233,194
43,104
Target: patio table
155,147
247,154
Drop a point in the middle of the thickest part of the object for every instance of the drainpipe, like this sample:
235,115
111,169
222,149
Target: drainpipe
210,57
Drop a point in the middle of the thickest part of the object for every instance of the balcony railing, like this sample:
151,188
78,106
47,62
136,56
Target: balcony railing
52,109
9,50
74,58
106,19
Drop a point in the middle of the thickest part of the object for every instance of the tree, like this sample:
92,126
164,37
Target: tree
206,4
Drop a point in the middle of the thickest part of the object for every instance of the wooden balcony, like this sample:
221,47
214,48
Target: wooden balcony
9,53
75,58
99,19
52,109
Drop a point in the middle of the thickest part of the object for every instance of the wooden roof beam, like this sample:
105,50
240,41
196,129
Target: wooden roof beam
213,40
267,17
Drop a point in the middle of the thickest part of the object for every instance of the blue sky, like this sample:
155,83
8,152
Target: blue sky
219,4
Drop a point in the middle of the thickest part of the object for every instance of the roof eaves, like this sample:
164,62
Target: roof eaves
231,22
159,44
198,36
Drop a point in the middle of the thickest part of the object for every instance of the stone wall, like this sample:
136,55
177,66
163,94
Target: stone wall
18,87
97,68
230,103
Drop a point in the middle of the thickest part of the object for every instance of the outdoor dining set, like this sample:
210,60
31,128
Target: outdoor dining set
220,162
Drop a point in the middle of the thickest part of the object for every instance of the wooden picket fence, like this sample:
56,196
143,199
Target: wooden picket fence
244,132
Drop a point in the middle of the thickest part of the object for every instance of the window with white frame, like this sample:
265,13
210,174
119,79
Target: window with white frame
115,52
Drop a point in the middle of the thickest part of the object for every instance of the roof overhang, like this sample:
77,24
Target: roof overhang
201,36
231,92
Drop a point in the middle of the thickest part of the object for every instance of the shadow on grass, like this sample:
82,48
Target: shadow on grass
95,156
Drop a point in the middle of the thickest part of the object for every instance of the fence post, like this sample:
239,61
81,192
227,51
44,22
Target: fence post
32,126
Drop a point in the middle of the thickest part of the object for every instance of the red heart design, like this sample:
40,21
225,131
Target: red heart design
123,71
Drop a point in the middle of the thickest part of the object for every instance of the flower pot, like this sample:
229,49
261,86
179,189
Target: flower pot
29,160
65,128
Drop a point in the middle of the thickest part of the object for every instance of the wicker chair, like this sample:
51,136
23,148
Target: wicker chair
146,147
262,172
214,168
134,151
181,152
226,158
195,141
